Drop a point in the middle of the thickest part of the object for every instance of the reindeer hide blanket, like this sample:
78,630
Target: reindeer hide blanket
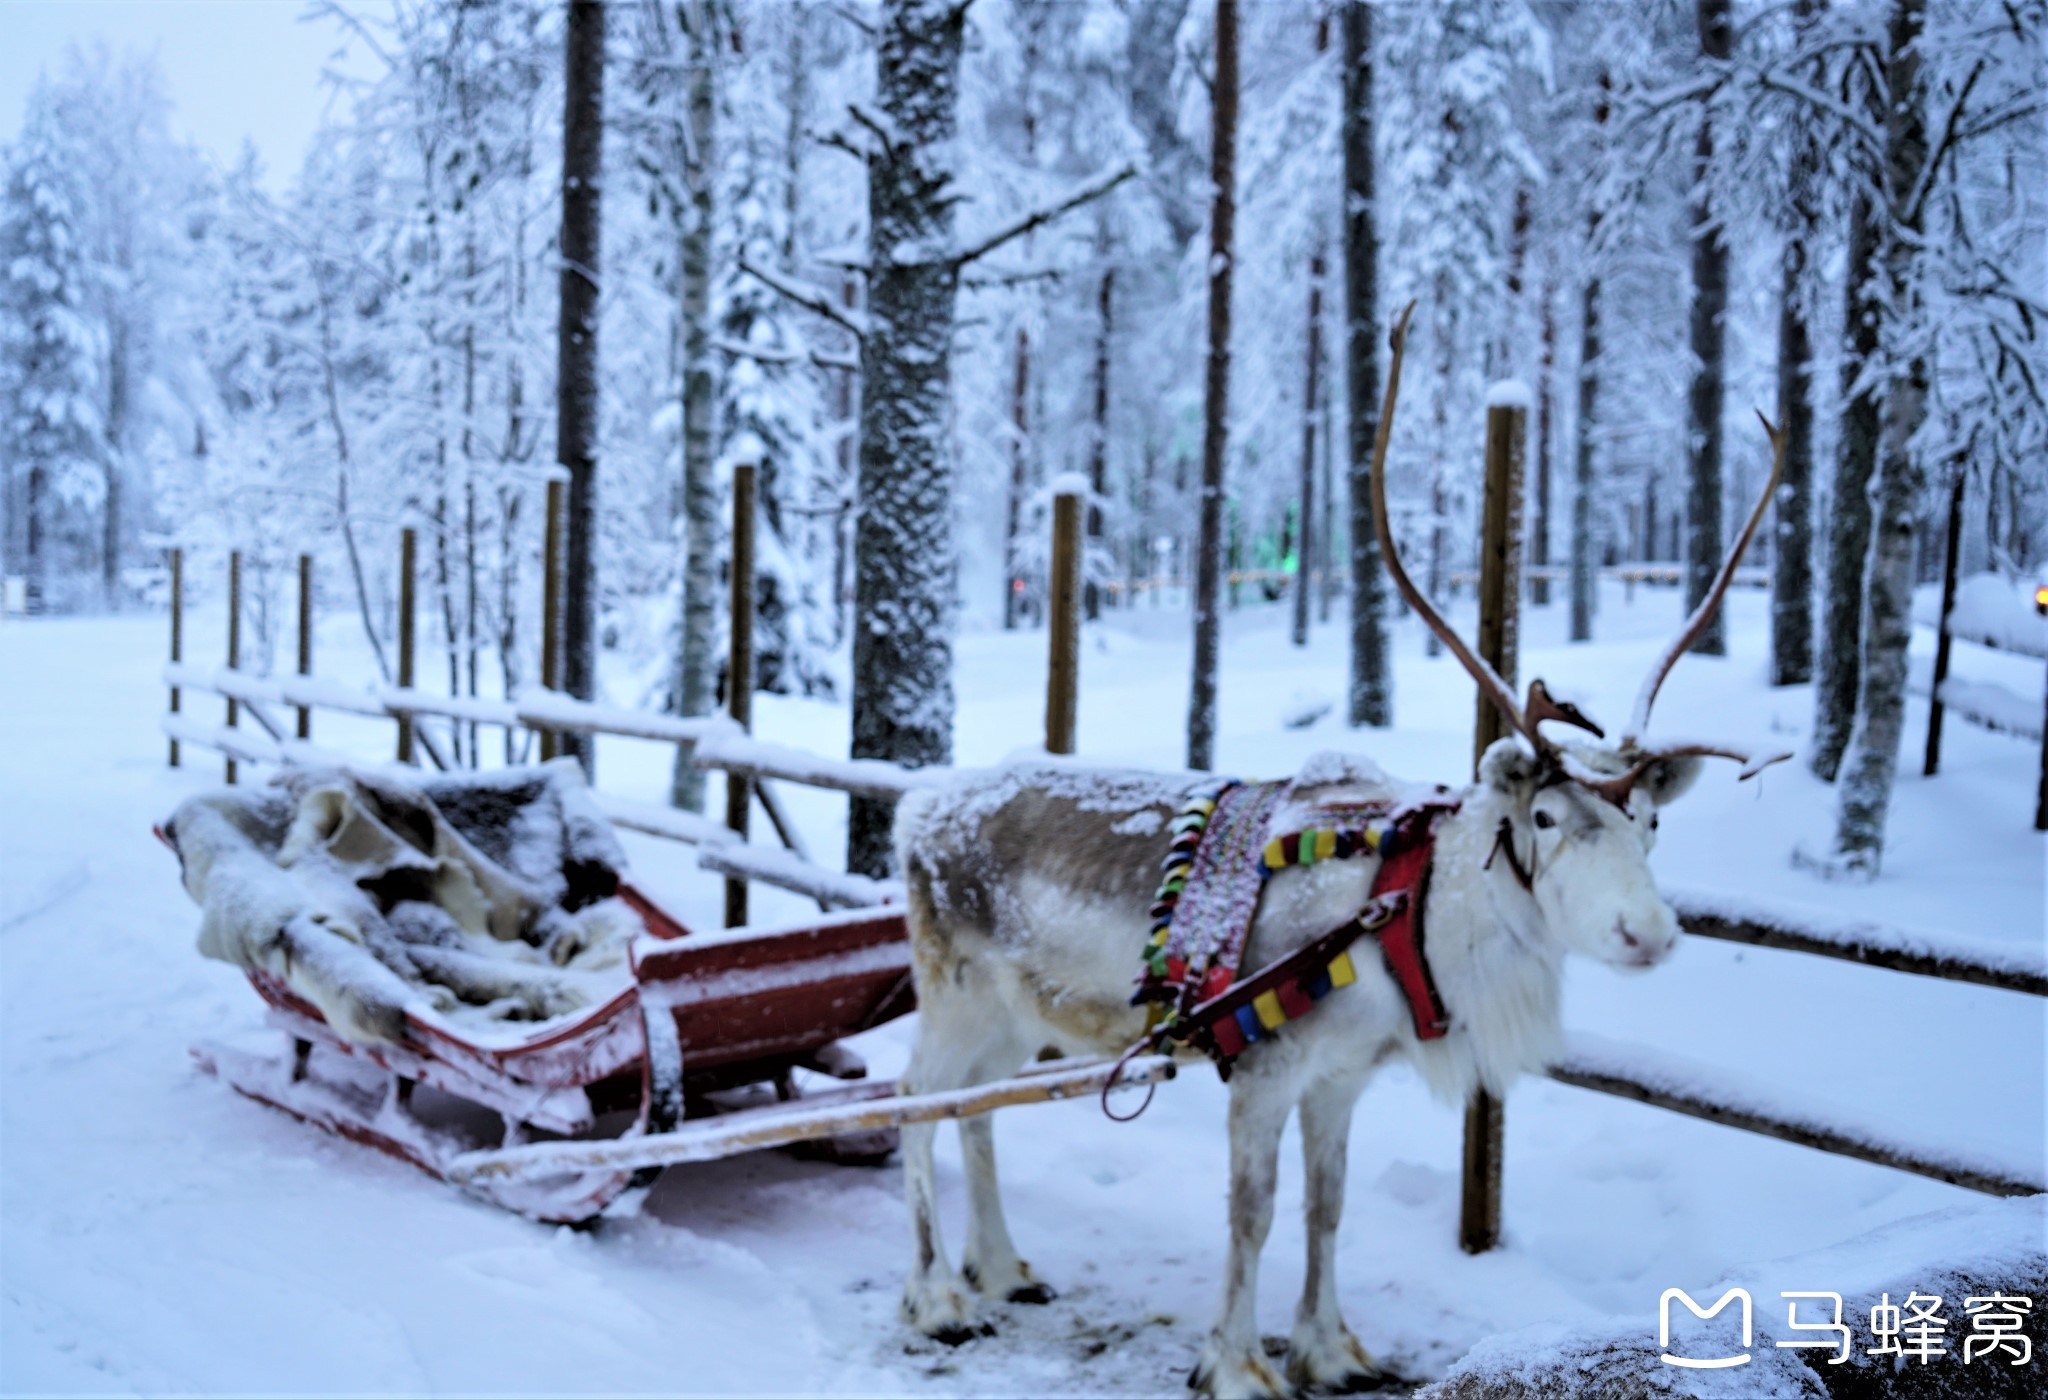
484,899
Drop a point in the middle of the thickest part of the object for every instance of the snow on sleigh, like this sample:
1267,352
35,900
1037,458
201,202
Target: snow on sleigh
458,974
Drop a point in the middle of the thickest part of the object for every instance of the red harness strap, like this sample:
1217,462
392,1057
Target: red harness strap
1407,871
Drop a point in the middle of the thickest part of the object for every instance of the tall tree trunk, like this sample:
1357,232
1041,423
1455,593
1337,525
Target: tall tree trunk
1326,524
576,348
114,457
904,560
1305,554
1216,388
1020,481
1371,697
1098,436
1792,561
697,657
1584,578
1539,553
1873,758
1839,676
1792,567
1709,354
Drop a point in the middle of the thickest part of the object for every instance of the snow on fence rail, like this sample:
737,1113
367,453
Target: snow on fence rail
1651,1076
1951,957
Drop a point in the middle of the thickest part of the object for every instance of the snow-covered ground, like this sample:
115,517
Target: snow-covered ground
160,1235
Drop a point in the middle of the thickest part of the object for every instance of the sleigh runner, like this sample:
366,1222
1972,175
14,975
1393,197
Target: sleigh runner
692,1056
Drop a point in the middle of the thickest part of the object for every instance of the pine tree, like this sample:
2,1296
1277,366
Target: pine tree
1709,349
577,377
1371,698
53,422
1201,748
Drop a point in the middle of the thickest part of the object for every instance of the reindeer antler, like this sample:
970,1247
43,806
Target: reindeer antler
1490,683
1639,721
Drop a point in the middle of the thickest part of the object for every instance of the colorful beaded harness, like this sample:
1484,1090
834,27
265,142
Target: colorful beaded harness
1207,898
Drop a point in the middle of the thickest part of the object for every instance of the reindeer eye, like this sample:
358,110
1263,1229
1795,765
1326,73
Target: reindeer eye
1544,821
1653,821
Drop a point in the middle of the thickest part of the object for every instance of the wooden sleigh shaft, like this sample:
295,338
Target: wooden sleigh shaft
862,1108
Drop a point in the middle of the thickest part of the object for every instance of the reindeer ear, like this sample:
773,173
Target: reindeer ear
1508,769
1668,779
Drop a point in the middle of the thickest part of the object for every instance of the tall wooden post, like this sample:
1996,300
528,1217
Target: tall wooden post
305,637
408,548
1063,662
551,611
234,640
1500,573
1941,637
739,670
177,631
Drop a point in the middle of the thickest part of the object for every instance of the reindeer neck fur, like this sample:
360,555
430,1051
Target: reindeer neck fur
1495,963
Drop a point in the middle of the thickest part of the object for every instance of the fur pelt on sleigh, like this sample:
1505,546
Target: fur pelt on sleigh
486,899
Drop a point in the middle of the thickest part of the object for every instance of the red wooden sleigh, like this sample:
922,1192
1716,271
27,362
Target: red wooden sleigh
560,1126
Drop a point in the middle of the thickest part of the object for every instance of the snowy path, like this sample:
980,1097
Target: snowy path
159,1235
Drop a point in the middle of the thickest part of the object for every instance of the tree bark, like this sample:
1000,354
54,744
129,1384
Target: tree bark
904,560
1020,464
1216,395
1305,554
1584,579
1792,568
1371,698
1873,758
576,348
1098,437
1839,677
114,458
1709,353
696,660
1539,542
1792,559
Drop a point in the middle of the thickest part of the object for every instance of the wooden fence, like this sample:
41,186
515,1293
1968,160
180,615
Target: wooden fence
753,768
1980,702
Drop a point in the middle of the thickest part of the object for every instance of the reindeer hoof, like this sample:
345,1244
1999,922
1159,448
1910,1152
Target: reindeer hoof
1338,1365
1010,1280
1229,1377
961,1333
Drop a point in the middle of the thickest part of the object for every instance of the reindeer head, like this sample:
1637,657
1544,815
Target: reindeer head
1576,823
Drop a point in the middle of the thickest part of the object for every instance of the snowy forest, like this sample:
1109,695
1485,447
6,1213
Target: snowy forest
917,259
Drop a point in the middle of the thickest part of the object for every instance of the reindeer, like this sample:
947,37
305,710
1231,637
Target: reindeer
1028,888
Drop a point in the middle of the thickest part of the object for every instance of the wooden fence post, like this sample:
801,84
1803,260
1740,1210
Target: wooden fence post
305,637
177,631
1941,636
1500,573
551,611
2041,797
408,545
739,671
234,639
1063,668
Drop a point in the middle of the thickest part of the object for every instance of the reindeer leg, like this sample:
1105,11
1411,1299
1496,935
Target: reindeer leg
958,1044
1232,1363
1323,1352
991,1263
